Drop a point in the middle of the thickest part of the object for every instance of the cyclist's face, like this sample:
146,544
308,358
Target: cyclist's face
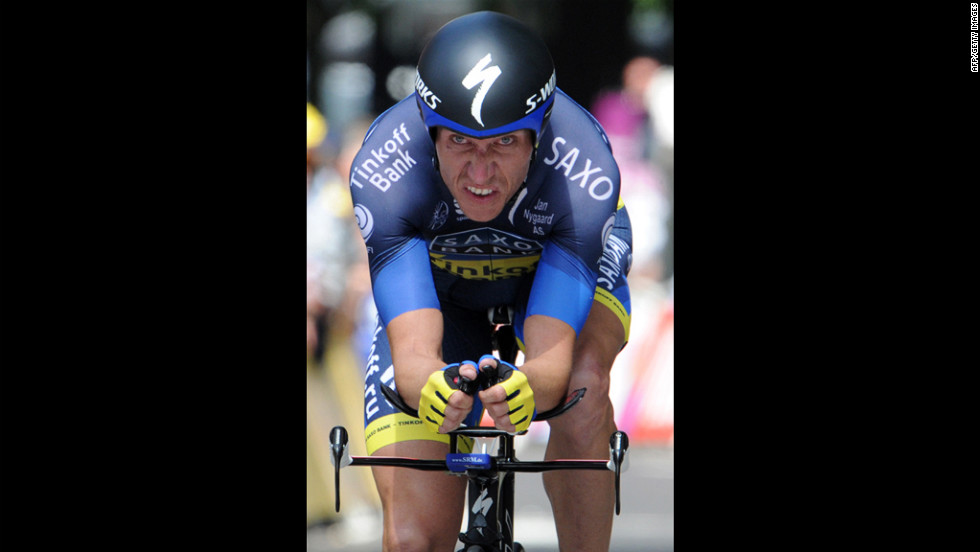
483,173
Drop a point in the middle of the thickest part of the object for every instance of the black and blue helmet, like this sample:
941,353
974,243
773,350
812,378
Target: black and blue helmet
486,74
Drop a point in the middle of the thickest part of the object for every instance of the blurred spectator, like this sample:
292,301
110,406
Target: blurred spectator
338,282
658,96
356,311
332,293
638,118
635,139
623,113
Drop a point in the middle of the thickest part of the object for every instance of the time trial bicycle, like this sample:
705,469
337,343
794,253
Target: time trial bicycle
490,488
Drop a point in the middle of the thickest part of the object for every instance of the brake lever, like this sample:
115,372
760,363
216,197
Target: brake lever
619,445
339,457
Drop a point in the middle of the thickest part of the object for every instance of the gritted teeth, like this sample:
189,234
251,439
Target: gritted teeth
480,191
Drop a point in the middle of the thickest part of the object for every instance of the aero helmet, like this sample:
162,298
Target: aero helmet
486,74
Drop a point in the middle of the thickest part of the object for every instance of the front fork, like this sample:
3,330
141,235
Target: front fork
490,498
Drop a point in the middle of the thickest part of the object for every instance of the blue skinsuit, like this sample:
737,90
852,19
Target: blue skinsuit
563,241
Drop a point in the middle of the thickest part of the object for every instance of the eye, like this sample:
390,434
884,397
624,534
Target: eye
507,140
457,139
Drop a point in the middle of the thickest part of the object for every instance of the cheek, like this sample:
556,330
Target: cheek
441,164
446,171
446,177
518,170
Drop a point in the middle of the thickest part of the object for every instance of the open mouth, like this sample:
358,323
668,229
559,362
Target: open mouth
479,191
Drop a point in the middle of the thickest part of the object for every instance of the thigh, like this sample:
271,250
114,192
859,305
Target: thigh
606,330
596,348
600,341
420,506
612,288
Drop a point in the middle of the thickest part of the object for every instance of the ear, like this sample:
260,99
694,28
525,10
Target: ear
434,133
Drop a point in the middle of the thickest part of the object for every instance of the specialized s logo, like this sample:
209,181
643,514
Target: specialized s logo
482,504
485,77
364,221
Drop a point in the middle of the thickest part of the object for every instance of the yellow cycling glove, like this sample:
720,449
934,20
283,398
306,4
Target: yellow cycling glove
520,396
435,395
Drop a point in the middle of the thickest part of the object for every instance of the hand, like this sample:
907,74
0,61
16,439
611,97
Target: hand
510,402
442,408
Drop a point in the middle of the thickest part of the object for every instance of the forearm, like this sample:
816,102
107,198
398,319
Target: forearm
416,350
549,344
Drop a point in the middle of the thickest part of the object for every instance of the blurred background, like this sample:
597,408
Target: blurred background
614,57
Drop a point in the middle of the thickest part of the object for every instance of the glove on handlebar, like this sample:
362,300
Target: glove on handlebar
436,392
520,396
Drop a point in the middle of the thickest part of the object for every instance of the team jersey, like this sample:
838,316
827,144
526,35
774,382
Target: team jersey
422,248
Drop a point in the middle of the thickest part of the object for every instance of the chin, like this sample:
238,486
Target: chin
481,216
477,210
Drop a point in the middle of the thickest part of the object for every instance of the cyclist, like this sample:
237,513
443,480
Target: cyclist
490,187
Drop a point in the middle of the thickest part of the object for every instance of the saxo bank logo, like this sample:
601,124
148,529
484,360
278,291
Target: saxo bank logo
484,76
364,220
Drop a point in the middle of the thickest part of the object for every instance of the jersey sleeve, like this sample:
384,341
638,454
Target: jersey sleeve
578,164
405,282
388,192
562,288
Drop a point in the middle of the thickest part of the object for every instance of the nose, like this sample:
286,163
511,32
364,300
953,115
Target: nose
480,168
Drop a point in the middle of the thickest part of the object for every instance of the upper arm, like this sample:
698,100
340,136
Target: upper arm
563,287
392,198
402,280
582,181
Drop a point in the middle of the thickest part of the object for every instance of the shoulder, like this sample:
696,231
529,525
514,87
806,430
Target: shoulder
401,118
574,149
396,151
573,123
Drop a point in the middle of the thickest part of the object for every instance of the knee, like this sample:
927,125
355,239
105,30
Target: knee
407,531
406,537
592,418
592,373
